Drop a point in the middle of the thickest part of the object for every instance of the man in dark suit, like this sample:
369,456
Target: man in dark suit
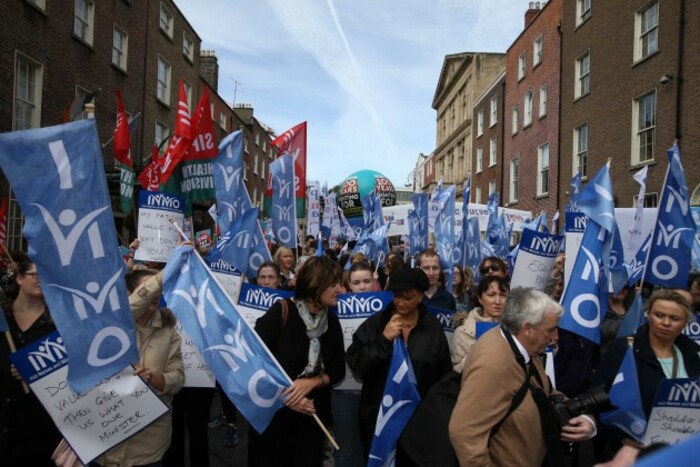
487,427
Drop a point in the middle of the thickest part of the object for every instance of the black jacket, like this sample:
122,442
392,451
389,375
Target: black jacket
369,358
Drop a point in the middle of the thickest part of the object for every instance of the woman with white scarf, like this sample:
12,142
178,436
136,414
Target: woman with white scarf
307,341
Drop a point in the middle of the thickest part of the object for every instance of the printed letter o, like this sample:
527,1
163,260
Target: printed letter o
110,331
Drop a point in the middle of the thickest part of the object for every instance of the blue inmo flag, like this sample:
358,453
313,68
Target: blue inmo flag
624,394
283,201
400,400
57,174
444,233
234,246
246,370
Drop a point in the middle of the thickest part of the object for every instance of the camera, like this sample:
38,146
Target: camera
592,402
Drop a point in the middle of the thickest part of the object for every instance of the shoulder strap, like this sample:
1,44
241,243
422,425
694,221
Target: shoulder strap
514,404
285,313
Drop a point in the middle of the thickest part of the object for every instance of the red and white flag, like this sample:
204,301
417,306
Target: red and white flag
203,142
293,142
3,221
122,136
150,177
182,138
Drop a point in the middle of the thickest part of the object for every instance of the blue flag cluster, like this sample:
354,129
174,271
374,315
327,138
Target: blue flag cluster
60,184
400,400
244,367
283,201
444,233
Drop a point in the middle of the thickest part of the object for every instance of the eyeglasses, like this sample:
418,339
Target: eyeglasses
494,267
34,274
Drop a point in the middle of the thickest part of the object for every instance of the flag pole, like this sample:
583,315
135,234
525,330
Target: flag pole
289,380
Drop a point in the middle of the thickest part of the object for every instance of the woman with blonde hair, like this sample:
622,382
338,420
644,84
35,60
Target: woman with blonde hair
284,257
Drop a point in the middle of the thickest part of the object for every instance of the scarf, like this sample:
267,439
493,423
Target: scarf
316,325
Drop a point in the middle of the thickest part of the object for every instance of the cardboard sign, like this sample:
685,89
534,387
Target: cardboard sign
352,310
197,373
94,422
254,301
676,412
157,234
536,256
229,278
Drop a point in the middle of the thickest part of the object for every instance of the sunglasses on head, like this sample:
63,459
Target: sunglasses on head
490,267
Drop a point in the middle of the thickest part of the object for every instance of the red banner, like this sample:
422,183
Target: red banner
122,138
293,142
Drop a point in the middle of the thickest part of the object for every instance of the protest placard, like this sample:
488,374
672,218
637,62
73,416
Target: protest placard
229,277
676,411
574,227
536,256
254,301
158,236
197,373
692,330
352,310
114,410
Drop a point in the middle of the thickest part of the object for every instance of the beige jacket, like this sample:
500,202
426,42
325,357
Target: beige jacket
465,337
159,350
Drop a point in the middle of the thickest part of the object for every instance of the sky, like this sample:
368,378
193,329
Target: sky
362,73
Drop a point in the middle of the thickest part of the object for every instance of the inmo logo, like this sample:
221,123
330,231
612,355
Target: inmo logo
261,298
356,305
163,201
49,353
686,392
545,244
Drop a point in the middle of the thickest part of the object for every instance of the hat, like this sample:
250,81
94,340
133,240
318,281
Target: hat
409,279
204,240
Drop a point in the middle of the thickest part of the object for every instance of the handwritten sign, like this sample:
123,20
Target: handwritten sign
352,310
197,373
108,414
676,412
157,234
229,277
536,256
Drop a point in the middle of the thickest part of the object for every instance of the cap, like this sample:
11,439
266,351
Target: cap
409,279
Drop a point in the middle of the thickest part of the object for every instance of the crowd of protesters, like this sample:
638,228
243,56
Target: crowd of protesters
500,391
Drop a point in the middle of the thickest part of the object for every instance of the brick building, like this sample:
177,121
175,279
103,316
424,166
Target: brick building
531,107
487,128
463,77
632,104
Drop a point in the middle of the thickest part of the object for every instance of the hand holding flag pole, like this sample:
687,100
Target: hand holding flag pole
289,380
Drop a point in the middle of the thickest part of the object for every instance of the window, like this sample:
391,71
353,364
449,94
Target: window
187,46
537,51
163,89
120,47
188,93
583,11
644,124
479,159
543,169
494,111
477,195
162,132
527,105
514,177
522,64
84,20
262,169
245,145
516,116
255,165
257,138
646,31
166,20
583,75
27,97
651,200
544,93
581,149
492,187
492,152
222,120
480,123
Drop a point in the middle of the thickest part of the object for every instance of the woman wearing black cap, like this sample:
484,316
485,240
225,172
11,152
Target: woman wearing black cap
370,353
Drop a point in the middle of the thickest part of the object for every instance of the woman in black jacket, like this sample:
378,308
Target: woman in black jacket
307,341
369,355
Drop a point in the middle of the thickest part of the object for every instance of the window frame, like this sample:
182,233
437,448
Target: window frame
34,88
188,52
494,111
527,108
537,51
543,170
583,11
477,195
492,187
164,132
165,84
543,101
582,79
493,151
514,191
85,33
580,155
480,122
637,130
479,159
640,35
522,65
124,51
166,29
514,120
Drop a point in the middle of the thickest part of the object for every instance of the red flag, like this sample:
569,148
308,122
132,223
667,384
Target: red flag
203,142
3,221
122,138
150,177
293,142
182,138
